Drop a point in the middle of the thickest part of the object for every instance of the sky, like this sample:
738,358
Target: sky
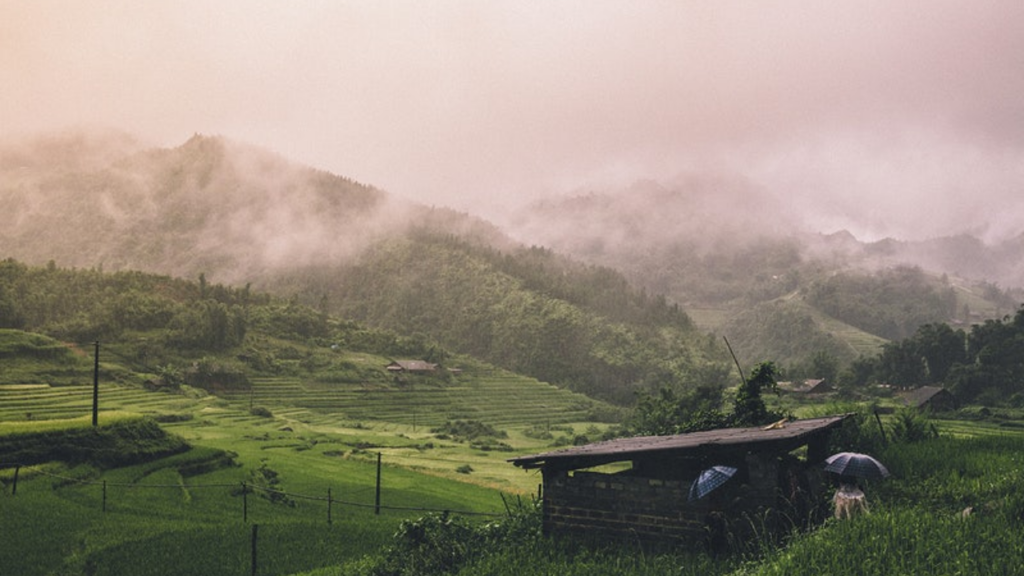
901,119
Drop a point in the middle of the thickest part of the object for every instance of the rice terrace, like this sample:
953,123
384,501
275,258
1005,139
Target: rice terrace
306,457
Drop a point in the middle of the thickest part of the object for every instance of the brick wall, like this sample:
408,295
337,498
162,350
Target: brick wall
628,508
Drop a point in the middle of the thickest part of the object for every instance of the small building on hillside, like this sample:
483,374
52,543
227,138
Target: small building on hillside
808,386
930,398
413,366
646,498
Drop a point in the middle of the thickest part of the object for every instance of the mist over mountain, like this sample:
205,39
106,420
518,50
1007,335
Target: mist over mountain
235,214
660,232
211,205
718,248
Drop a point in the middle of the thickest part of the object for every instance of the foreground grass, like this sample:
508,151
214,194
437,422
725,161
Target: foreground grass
903,541
917,526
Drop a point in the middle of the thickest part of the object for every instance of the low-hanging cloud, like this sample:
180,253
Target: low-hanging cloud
887,118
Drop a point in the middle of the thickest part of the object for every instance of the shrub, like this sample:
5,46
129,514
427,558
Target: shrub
261,411
910,425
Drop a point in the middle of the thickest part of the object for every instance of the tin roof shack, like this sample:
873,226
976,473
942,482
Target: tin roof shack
930,398
808,386
649,501
413,366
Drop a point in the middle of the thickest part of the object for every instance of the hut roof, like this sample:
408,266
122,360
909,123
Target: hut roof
921,396
808,386
792,435
411,366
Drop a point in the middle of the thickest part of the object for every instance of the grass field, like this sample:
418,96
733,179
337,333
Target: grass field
183,515
494,397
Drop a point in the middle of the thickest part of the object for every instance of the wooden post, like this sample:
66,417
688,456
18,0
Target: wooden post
245,504
255,533
96,387
14,487
376,501
881,428
328,505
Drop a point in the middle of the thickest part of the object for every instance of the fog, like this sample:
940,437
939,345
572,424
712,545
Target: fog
898,119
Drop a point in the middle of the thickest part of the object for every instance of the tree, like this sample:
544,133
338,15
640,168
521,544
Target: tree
941,347
671,413
749,408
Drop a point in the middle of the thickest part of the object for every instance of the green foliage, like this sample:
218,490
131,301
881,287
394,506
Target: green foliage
984,365
117,443
891,304
438,544
861,432
784,330
431,545
911,425
467,430
749,408
528,311
671,413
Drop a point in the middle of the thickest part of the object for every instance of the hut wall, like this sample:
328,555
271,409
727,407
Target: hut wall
620,507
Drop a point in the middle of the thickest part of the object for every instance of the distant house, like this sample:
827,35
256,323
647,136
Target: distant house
809,386
930,397
414,366
649,502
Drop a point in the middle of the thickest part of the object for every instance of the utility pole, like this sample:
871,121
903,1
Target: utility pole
96,387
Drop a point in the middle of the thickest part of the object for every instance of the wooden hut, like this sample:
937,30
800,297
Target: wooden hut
411,366
808,386
930,398
647,499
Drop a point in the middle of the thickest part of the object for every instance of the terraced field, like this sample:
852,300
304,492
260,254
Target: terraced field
43,402
494,397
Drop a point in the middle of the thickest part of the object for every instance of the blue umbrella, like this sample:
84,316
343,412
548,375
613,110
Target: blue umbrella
710,479
857,465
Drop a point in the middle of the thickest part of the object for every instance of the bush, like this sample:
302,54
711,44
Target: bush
910,425
261,411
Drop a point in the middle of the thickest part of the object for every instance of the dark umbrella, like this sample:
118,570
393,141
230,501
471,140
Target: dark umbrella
710,479
857,465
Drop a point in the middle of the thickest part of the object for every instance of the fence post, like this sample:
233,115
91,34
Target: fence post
96,387
376,500
328,505
255,531
14,487
245,504
881,428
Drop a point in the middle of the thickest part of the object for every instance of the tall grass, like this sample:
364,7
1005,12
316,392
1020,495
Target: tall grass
902,541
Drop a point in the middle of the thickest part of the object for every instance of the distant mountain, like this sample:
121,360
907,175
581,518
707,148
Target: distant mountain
609,305
209,205
236,214
725,250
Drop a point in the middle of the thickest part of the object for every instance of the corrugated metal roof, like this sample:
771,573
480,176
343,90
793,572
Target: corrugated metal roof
922,395
724,438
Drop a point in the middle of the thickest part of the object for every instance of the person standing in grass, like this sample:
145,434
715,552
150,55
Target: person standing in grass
849,499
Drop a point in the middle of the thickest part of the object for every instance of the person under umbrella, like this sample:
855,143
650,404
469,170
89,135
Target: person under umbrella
849,499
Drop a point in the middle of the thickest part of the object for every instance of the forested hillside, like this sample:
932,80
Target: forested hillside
246,217
980,365
658,261
528,310
748,268
175,331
